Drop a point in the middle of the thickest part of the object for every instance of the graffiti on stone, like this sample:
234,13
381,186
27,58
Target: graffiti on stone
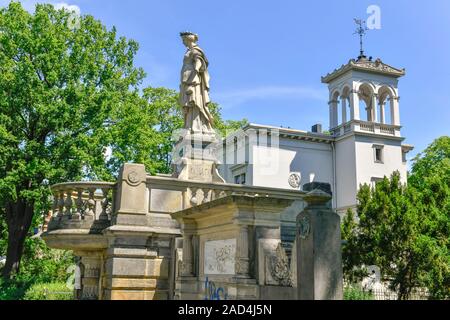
213,292
220,256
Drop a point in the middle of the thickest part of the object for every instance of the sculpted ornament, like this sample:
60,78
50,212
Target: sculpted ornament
294,180
133,178
304,228
279,267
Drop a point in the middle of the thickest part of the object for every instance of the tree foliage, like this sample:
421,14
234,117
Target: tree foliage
405,230
72,108
60,90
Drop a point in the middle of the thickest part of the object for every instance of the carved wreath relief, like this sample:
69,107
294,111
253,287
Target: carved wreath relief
294,180
304,228
133,178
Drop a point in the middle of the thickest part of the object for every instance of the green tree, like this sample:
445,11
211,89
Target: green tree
405,230
71,108
61,89
150,123
430,177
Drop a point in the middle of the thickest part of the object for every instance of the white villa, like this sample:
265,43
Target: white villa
364,142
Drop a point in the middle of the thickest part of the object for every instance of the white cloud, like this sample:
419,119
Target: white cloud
29,5
69,7
237,97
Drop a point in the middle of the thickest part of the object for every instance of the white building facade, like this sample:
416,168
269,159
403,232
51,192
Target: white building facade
363,144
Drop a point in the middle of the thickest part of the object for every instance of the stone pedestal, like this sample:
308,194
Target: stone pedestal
139,254
221,255
195,158
88,274
131,198
137,265
319,261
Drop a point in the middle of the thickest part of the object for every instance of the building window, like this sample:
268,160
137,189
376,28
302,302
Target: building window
374,181
404,157
239,179
378,153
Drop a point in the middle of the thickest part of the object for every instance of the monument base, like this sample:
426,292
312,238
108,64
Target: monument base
195,158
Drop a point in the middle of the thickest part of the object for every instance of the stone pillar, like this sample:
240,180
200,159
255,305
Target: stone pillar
242,258
91,266
137,265
131,198
344,109
374,108
333,113
139,249
395,112
382,116
319,260
188,259
354,105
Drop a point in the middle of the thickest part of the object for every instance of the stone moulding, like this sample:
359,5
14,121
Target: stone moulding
376,66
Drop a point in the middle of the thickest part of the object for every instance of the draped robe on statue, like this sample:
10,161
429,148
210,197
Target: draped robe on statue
194,91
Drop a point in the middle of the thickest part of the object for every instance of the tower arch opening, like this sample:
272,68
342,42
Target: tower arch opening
367,103
386,97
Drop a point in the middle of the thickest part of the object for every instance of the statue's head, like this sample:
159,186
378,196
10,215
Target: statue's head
188,38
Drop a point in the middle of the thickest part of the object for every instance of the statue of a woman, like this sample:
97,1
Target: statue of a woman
194,87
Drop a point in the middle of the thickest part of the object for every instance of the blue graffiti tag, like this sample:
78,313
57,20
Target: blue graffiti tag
213,293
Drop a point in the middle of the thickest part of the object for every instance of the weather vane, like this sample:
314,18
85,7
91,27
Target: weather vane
361,30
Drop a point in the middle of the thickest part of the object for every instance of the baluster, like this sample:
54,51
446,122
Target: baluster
91,203
104,215
61,204
79,203
68,203
185,199
205,195
194,200
55,205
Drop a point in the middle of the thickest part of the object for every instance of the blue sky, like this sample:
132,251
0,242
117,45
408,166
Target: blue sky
267,57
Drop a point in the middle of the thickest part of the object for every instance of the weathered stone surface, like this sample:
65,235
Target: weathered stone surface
236,244
138,267
319,261
132,197
244,220
220,256
277,293
137,295
137,283
165,200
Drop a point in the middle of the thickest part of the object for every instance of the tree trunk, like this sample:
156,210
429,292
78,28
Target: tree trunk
19,216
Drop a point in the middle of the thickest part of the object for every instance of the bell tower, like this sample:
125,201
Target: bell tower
364,97
365,123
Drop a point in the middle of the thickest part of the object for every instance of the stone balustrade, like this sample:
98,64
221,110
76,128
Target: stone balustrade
366,126
81,204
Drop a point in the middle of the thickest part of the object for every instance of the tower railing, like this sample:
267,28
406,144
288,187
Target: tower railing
366,126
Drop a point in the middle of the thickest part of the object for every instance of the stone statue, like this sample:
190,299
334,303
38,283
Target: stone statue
194,87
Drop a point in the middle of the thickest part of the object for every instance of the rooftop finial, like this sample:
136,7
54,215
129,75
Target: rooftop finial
361,30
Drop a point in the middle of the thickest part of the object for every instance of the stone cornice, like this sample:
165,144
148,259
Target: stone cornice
293,133
376,66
